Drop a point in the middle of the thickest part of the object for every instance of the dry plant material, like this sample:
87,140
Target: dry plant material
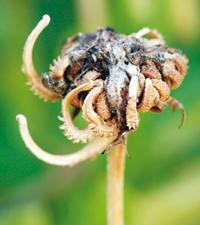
111,77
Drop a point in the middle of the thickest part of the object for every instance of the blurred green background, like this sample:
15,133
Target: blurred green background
162,184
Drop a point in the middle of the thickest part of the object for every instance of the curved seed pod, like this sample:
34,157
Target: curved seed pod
174,71
101,106
155,37
149,98
149,70
89,151
96,123
72,132
181,63
34,80
162,88
147,31
88,112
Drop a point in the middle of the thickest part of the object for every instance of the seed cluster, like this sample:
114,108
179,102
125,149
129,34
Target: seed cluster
111,77
137,73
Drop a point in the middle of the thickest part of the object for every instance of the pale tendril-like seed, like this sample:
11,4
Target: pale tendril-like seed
95,147
28,68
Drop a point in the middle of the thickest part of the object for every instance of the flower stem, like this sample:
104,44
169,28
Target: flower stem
115,184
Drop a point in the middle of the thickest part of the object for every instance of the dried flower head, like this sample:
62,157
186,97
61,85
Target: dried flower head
111,77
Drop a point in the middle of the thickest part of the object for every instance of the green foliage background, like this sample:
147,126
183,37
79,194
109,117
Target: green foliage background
163,168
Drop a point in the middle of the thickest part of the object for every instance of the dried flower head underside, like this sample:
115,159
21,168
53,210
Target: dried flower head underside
111,78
